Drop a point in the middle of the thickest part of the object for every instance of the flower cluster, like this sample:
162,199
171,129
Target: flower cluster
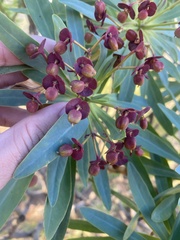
83,83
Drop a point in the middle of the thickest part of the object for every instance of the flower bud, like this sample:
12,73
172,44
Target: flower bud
138,79
74,116
100,9
94,169
177,32
60,47
52,69
66,150
157,66
88,71
130,143
31,49
122,17
131,35
51,93
138,151
113,44
112,157
122,122
77,86
88,37
32,106
143,123
143,14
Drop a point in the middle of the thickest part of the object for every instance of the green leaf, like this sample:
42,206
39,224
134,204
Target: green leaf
158,169
75,26
108,121
46,149
83,226
165,208
55,174
12,97
157,145
102,186
34,74
91,238
131,226
61,231
41,13
155,97
128,87
53,216
10,196
12,69
107,224
173,117
83,165
167,193
128,202
144,200
176,229
16,40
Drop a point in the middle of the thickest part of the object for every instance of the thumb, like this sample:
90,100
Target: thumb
17,141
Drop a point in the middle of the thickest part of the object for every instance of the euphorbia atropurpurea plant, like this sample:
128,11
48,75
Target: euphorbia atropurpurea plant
116,64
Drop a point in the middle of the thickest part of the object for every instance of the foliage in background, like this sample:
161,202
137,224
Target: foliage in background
114,97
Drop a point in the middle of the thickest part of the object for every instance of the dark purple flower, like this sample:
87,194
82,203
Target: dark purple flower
33,51
127,9
50,81
84,67
33,105
33,96
80,105
66,36
90,84
100,11
56,59
112,40
154,63
91,26
146,8
78,150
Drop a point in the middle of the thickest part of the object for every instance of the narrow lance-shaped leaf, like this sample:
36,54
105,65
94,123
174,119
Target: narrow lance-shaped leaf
144,200
55,174
61,231
46,150
173,117
54,215
11,195
165,209
108,224
74,19
41,14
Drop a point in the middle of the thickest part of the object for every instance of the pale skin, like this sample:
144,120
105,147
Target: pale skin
25,129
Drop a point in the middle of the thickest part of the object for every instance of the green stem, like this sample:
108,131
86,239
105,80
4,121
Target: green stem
79,45
162,29
119,65
116,23
161,24
95,45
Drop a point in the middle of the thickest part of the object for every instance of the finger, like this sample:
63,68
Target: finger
17,141
10,79
7,58
11,115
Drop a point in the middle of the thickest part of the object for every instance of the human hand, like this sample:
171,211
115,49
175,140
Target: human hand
25,129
